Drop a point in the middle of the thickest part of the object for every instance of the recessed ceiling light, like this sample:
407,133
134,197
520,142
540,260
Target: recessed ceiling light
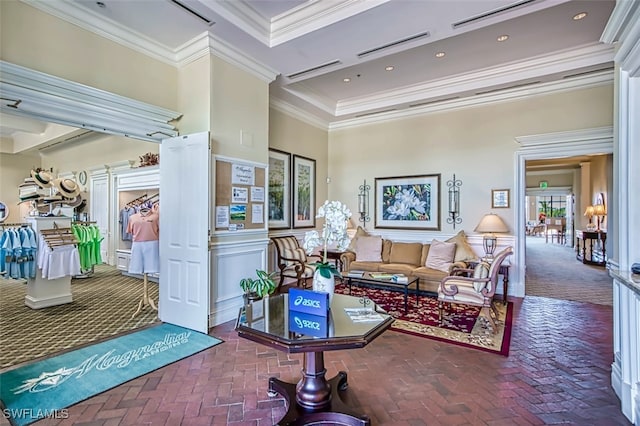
579,16
389,68
346,80
503,37
440,55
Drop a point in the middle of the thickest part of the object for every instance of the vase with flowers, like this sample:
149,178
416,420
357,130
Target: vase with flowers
334,231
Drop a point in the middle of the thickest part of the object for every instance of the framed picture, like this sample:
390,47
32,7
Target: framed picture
279,189
410,202
499,198
304,192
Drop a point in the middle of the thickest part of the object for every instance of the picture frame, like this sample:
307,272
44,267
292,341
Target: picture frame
304,192
499,198
408,202
279,184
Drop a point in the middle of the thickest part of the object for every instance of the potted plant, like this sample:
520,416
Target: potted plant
257,288
334,230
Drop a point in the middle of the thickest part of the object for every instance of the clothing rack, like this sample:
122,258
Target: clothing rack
11,225
58,237
141,199
83,222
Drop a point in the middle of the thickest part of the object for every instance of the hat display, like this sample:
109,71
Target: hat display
42,179
67,188
75,202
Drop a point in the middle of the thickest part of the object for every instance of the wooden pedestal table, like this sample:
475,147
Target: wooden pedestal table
146,300
314,399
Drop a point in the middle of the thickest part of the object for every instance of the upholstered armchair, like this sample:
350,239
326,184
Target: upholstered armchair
292,261
477,288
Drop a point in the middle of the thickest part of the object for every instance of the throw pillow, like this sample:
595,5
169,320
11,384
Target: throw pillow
464,251
440,255
369,249
360,232
481,271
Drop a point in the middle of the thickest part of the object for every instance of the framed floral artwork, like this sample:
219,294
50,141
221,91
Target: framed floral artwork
304,192
279,189
409,202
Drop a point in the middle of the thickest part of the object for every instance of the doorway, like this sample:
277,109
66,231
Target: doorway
550,148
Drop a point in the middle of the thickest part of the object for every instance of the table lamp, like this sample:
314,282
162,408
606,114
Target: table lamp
589,212
489,225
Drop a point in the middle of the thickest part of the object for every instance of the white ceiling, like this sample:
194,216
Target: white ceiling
285,37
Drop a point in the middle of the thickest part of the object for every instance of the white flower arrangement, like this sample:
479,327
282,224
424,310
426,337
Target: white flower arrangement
334,230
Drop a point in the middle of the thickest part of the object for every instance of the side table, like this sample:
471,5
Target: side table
335,256
504,271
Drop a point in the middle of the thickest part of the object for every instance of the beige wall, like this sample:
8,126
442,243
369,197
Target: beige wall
601,176
14,168
31,38
477,144
239,106
297,137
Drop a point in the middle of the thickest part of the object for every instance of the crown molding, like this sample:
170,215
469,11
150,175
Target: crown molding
88,20
576,83
206,43
314,15
297,113
564,61
192,50
586,136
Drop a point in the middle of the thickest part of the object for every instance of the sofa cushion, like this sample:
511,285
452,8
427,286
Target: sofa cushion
408,253
464,252
386,250
397,268
369,249
440,255
429,274
357,265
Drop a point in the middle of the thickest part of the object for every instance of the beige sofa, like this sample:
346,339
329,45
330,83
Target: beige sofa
410,259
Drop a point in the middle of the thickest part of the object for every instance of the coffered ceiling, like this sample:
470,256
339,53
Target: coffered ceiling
336,61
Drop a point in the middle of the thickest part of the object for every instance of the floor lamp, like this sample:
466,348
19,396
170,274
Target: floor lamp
489,225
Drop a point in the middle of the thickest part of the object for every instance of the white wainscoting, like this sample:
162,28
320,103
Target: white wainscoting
230,262
625,370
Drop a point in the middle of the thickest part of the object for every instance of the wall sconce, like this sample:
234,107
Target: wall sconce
454,201
363,202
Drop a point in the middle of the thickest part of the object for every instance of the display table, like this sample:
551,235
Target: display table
313,399
590,247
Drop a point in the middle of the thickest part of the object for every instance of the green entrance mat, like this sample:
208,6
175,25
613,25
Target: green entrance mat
44,388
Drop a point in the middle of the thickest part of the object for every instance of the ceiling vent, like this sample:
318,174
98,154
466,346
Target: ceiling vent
76,136
515,86
492,13
394,44
198,15
435,101
375,113
317,68
585,73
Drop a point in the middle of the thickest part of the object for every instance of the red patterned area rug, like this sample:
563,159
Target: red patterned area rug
462,325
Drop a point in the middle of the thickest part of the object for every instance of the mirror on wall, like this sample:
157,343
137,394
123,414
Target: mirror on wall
4,211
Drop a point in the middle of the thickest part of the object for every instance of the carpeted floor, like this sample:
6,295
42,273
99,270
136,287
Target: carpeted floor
553,271
102,306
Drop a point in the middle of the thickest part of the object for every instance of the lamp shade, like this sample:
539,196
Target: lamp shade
599,210
590,211
491,223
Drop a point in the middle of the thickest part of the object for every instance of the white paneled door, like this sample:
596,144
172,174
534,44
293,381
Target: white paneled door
184,227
